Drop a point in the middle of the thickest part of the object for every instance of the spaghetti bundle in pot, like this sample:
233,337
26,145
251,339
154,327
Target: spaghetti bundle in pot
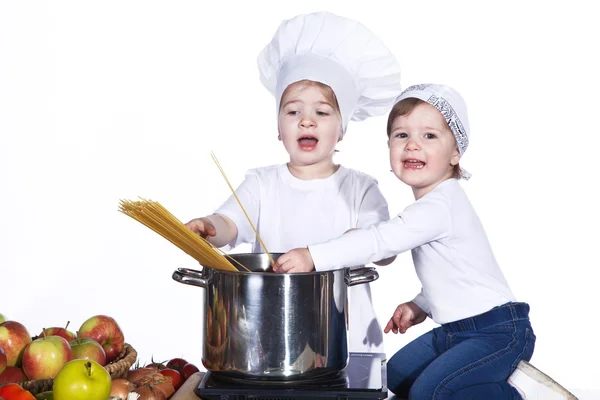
160,220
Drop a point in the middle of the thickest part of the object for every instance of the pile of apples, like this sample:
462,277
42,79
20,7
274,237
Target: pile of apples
74,362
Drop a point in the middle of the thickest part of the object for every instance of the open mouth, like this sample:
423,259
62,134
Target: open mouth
308,142
413,164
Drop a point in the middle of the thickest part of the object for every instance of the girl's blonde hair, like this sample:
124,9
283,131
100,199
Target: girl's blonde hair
405,107
326,90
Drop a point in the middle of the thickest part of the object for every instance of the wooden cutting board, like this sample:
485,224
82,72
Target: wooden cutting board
186,391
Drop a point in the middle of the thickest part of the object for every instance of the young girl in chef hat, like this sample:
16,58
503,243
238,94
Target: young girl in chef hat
324,71
485,334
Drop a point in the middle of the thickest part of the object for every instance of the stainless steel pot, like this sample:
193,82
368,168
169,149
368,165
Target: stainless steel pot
268,326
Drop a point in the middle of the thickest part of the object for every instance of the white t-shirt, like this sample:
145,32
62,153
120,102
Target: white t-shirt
289,213
453,259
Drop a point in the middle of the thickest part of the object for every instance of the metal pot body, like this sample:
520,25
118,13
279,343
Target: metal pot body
268,326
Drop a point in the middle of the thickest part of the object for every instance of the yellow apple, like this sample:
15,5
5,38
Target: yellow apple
82,380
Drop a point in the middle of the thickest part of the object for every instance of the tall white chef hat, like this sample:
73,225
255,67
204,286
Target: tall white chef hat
338,52
452,107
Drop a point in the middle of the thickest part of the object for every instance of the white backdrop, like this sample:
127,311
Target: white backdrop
117,99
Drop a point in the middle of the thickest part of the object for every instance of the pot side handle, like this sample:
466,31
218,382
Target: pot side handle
190,277
361,275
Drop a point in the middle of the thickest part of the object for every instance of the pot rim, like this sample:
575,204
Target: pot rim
275,256
270,273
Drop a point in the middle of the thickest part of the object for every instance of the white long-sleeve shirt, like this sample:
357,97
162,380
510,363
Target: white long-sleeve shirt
289,212
453,259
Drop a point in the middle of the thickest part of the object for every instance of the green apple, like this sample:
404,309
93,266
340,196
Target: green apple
2,318
82,380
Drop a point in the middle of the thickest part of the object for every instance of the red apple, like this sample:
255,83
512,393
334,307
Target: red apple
12,375
88,349
2,360
62,332
106,331
13,339
44,357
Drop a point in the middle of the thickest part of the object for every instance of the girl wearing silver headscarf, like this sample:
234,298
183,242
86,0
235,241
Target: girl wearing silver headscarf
481,349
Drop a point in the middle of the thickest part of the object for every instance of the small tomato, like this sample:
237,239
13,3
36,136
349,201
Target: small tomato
188,370
177,364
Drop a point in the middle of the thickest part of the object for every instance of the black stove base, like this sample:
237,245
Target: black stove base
282,394
363,378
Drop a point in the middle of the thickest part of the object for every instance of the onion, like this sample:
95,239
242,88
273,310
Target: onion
158,381
135,375
147,392
121,388
150,384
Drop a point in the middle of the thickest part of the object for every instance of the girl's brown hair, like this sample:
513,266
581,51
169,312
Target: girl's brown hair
405,107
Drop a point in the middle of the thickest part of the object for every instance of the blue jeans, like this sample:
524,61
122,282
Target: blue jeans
466,359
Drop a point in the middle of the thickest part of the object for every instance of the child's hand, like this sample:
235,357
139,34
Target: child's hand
405,316
202,226
294,261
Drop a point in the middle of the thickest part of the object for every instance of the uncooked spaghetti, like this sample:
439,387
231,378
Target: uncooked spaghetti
160,220
214,157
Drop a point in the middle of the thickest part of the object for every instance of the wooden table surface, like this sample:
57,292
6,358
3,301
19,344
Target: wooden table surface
186,391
